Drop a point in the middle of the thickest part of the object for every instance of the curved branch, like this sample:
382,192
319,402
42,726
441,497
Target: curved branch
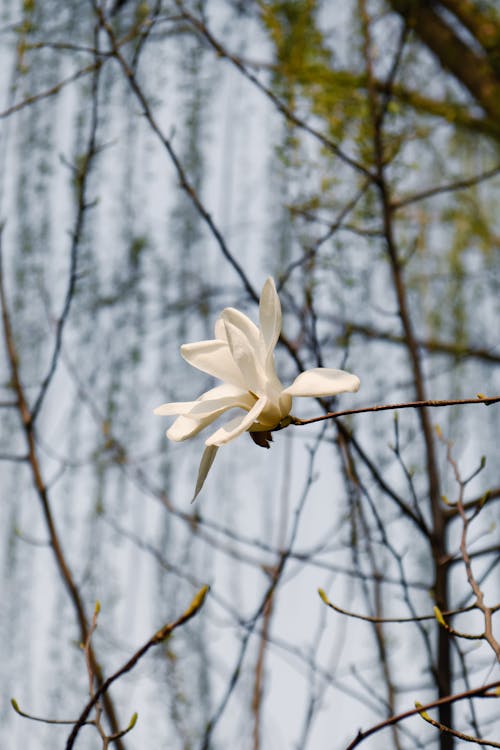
157,638
480,692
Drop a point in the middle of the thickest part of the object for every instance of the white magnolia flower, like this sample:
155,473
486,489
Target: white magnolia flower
242,356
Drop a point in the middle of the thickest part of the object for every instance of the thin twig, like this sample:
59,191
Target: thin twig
447,188
368,618
202,28
158,637
42,491
480,692
454,732
487,400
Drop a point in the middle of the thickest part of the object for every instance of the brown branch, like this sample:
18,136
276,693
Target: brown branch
202,28
276,575
41,719
369,618
184,181
52,91
453,732
437,537
487,400
431,345
157,638
259,669
468,67
42,492
480,692
473,583
480,21
452,510
447,188
82,174
488,612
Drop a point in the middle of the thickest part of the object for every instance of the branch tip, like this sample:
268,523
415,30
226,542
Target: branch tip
439,617
197,601
423,714
133,721
323,596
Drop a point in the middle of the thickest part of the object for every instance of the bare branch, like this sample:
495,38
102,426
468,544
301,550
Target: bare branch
480,692
158,637
487,400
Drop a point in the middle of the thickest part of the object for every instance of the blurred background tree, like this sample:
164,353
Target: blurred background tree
160,159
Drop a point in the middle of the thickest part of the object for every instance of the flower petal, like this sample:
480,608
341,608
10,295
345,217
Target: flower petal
237,425
174,408
247,327
185,427
247,331
204,413
322,381
220,331
214,358
245,357
269,317
218,406
221,391
206,462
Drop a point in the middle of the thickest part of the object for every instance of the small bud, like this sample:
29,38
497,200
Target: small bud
133,721
423,714
484,499
323,596
439,617
199,598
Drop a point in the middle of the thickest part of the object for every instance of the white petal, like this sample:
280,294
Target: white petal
323,381
174,408
245,325
269,316
214,358
220,331
207,460
204,413
221,391
185,427
218,406
237,425
184,407
246,358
